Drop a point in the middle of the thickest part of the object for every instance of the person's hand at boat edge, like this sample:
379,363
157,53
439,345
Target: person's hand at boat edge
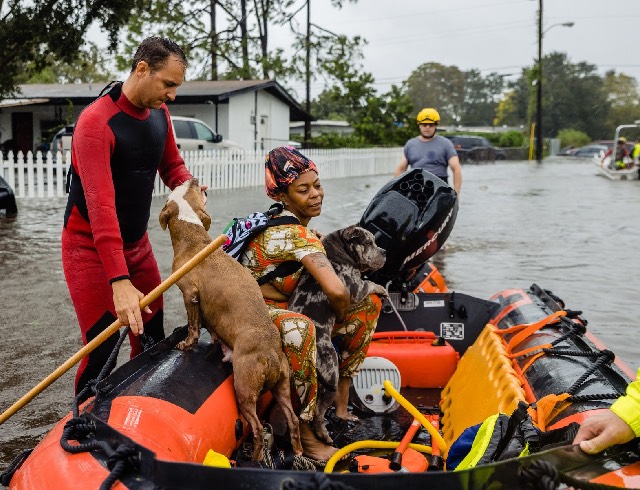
126,299
616,425
602,431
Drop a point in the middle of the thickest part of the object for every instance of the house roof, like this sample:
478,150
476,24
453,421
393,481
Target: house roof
21,102
192,92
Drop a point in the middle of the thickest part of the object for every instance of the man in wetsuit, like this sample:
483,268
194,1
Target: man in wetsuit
431,152
120,141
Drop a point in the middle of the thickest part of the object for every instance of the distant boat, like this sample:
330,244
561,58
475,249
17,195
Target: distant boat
609,168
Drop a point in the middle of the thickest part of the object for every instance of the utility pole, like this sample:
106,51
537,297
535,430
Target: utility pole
538,133
307,121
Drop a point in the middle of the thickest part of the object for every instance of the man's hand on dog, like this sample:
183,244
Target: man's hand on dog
126,299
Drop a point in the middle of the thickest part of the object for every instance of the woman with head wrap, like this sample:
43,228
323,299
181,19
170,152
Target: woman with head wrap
292,179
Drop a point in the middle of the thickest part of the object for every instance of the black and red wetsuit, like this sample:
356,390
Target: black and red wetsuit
116,151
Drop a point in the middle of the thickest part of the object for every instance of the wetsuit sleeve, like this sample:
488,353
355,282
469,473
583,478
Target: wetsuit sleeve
93,144
173,171
628,407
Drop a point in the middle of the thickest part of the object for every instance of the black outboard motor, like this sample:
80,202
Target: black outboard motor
411,218
7,198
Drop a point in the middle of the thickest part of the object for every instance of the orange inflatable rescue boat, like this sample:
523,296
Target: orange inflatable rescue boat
518,371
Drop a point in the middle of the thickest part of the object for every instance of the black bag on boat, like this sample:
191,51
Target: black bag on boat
502,437
411,218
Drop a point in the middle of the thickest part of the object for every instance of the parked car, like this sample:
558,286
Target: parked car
191,134
475,149
194,134
590,151
62,140
567,151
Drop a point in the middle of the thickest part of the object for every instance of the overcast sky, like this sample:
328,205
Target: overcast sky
488,35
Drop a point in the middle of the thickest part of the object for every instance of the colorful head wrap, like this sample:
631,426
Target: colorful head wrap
282,166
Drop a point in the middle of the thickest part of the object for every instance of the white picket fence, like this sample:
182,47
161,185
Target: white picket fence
42,175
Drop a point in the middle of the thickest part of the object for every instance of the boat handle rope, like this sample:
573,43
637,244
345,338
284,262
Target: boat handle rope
547,408
7,474
119,460
577,329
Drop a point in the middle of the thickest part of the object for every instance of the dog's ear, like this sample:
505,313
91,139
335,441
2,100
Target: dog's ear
205,218
169,209
350,232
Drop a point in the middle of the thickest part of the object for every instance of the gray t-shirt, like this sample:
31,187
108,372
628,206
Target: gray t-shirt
433,156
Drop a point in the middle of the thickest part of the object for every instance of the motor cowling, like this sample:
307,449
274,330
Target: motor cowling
411,218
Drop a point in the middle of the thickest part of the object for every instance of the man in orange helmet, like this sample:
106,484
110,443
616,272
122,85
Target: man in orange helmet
430,151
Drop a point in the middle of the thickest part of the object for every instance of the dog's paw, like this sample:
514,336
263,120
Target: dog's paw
321,431
377,289
380,291
184,345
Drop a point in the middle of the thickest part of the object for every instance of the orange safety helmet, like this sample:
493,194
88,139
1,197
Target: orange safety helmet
428,115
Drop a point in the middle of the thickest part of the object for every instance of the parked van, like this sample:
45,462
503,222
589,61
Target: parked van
194,134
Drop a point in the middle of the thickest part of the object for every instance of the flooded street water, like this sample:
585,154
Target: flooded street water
556,224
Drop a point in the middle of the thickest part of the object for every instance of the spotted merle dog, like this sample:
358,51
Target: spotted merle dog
352,251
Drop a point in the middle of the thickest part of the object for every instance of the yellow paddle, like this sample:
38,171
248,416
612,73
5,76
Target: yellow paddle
111,329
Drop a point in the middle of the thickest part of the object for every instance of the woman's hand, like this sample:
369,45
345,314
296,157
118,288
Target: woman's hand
126,299
321,269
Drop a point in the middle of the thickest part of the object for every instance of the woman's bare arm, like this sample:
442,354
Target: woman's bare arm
321,269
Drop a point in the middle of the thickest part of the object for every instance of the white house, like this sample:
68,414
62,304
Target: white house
253,113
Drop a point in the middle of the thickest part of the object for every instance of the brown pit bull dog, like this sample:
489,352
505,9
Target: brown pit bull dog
221,295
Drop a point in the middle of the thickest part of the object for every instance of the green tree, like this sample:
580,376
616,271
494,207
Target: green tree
91,65
573,96
34,34
572,137
229,39
438,86
624,98
376,120
481,98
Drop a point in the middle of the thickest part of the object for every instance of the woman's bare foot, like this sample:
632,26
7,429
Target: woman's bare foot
346,415
312,447
342,400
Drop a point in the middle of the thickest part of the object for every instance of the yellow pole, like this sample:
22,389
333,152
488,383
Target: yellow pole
111,329
531,137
